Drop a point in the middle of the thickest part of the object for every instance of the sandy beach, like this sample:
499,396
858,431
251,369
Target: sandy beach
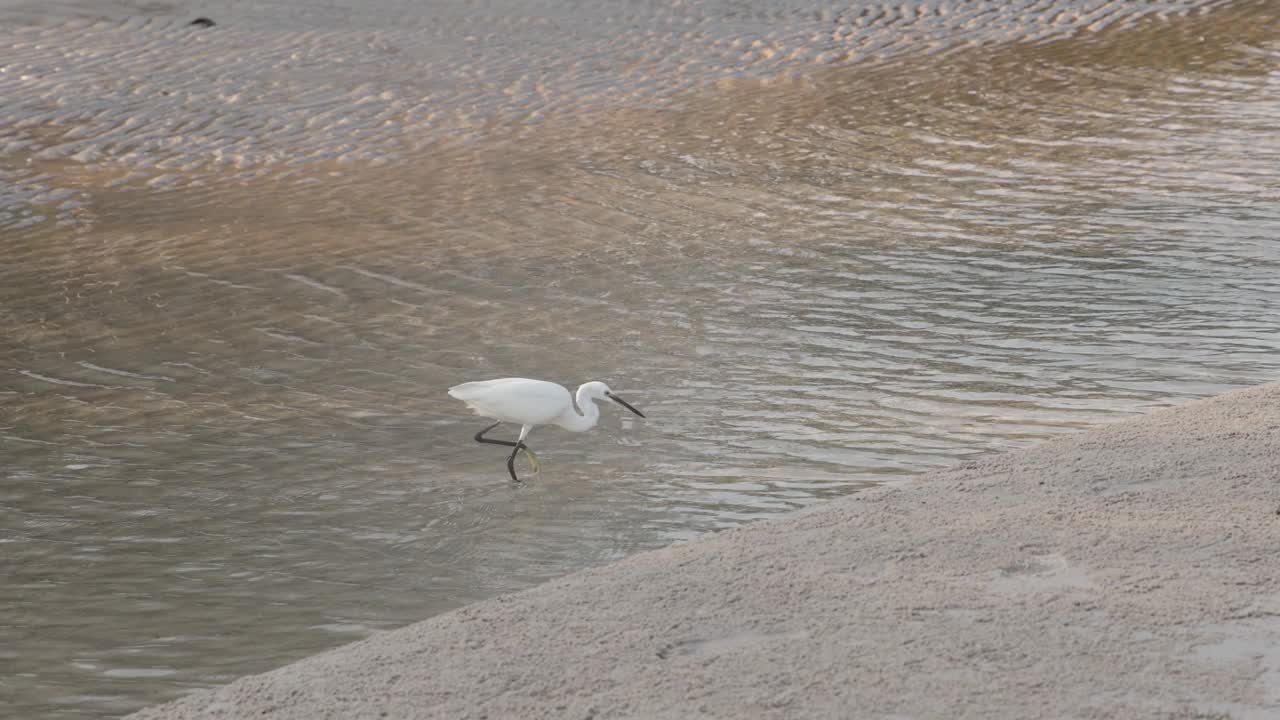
1123,572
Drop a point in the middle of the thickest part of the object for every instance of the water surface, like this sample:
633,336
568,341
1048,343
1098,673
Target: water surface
224,432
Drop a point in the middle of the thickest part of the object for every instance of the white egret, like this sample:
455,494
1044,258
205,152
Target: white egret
531,403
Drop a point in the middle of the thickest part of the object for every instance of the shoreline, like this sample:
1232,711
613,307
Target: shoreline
825,249
1122,571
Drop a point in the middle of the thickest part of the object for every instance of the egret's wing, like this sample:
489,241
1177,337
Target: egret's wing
518,400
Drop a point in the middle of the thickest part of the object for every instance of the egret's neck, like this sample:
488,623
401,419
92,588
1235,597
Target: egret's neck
573,422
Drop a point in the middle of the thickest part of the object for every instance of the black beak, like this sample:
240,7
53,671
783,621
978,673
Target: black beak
623,403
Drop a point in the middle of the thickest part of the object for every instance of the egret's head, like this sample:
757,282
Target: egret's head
599,391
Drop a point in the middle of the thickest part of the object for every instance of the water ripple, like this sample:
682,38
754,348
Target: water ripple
228,329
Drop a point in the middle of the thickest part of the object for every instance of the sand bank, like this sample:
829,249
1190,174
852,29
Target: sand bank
1128,571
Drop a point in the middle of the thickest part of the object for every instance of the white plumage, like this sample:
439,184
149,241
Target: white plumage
517,400
530,403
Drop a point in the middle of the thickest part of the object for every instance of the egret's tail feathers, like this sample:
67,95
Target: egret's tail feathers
467,390
470,393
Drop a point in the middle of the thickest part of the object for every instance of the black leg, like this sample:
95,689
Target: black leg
511,461
516,447
480,438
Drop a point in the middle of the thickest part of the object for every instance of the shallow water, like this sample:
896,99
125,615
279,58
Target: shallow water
224,432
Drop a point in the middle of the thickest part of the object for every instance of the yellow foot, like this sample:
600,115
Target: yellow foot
532,460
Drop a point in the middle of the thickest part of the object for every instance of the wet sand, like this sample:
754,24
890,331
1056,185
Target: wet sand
1127,571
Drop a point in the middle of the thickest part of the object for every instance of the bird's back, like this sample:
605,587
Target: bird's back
518,400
